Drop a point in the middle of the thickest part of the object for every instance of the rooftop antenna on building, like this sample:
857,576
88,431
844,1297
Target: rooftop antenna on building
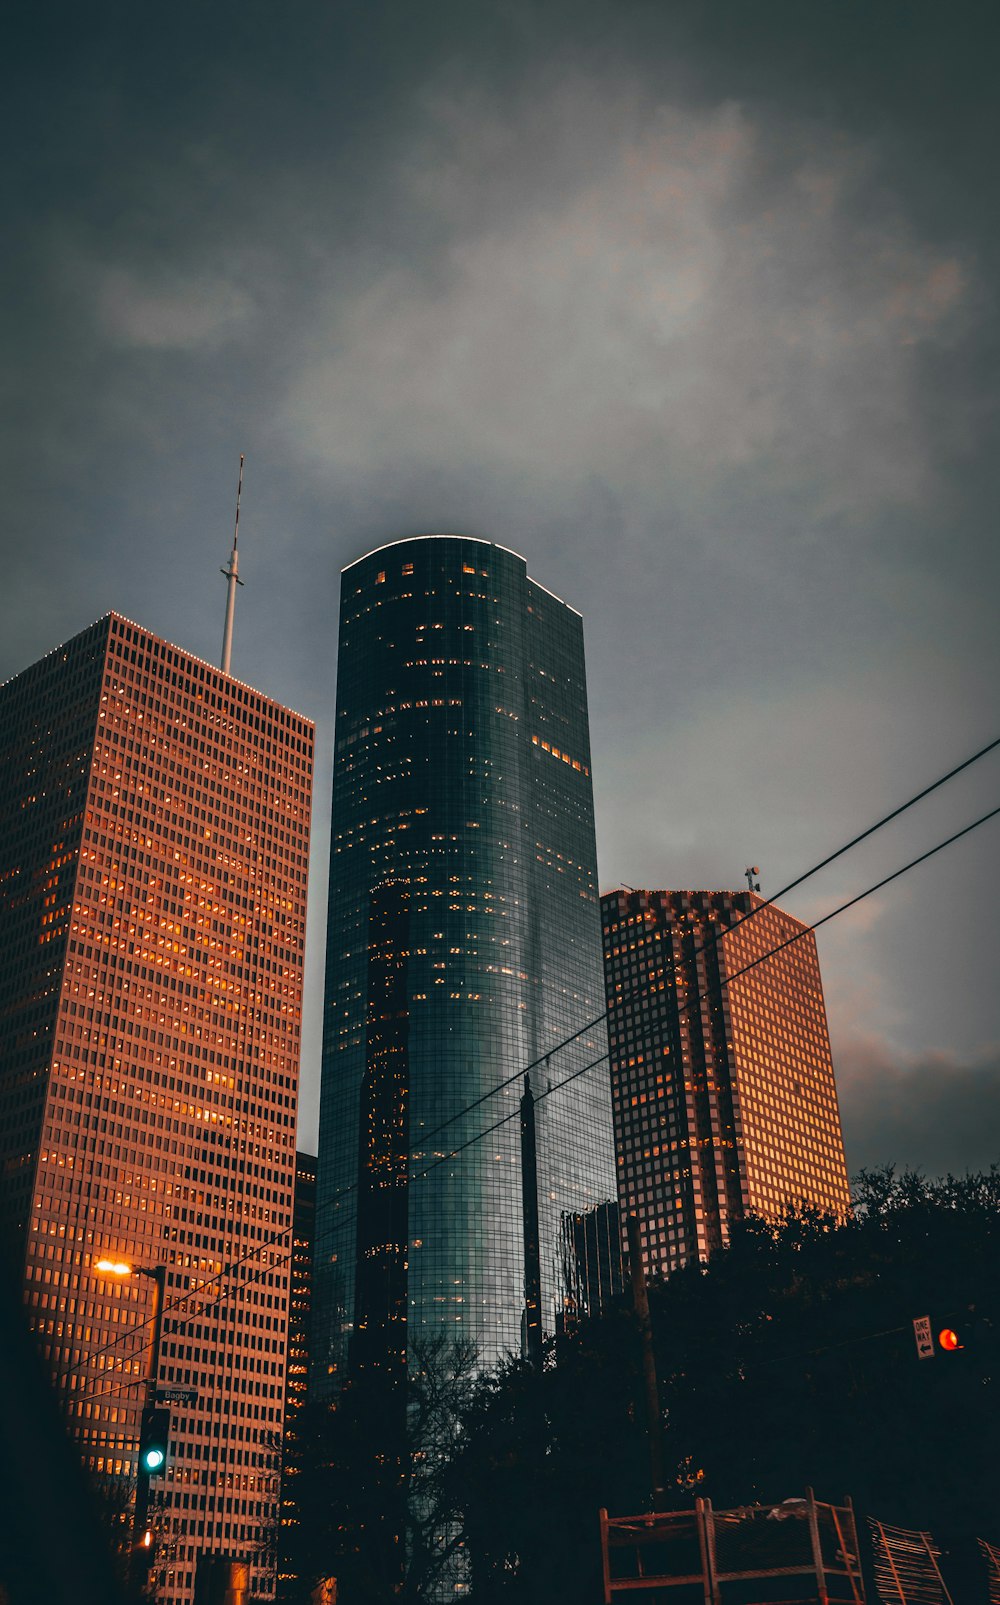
751,871
232,574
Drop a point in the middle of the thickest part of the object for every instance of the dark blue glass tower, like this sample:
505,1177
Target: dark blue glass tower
463,945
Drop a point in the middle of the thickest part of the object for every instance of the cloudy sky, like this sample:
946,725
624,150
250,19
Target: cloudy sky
691,303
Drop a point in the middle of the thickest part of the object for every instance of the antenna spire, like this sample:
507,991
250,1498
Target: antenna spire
232,574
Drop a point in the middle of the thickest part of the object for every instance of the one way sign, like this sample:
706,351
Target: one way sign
922,1337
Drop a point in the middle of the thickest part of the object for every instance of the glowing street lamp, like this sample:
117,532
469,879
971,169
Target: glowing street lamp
113,1267
156,1274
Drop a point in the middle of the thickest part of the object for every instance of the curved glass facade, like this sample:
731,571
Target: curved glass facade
463,945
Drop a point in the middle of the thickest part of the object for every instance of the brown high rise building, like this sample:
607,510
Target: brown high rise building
154,820
722,1079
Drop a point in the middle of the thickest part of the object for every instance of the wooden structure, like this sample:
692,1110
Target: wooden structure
801,1552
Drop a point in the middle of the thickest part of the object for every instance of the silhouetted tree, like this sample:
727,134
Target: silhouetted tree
788,1360
114,1499
385,1526
539,1453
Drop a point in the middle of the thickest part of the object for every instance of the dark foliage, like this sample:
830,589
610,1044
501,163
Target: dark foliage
378,1510
539,1454
788,1361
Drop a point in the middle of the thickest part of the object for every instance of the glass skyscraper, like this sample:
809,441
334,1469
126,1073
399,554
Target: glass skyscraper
464,945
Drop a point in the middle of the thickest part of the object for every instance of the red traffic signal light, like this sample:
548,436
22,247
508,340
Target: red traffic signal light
949,1340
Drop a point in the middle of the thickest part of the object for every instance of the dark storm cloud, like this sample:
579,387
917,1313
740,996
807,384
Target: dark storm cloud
929,1113
689,303
667,302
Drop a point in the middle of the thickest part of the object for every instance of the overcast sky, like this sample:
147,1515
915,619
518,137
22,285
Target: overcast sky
692,304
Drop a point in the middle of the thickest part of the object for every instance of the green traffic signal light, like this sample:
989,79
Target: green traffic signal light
154,1440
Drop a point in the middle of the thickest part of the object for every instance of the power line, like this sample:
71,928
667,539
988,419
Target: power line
228,1292
182,1298
565,1042
684,1007
512,1114
885,820
765,903
689,1003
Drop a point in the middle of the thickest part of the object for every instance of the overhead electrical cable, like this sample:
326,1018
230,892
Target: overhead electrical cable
765,903
513,1114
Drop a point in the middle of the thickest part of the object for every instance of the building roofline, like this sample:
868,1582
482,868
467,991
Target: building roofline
223,674
123,618
439,535
681,891
560,599
404,540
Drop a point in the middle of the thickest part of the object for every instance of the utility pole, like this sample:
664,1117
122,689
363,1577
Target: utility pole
640,1303
529,1218
142,1540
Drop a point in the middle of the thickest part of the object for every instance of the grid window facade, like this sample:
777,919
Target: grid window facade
155,822
721,1074
297,1370
462,777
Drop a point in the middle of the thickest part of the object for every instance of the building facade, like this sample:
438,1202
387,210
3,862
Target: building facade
594,1269
154,821
722,1079
296,1372
463,947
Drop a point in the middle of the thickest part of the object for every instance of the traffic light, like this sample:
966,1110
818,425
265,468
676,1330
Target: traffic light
154,1440
947,1336
965,1337
962,1328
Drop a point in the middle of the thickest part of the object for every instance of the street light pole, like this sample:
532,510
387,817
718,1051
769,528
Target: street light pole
640,1304
141,1537
158,1276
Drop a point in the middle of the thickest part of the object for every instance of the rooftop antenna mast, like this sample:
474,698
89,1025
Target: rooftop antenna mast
751,872
232,574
